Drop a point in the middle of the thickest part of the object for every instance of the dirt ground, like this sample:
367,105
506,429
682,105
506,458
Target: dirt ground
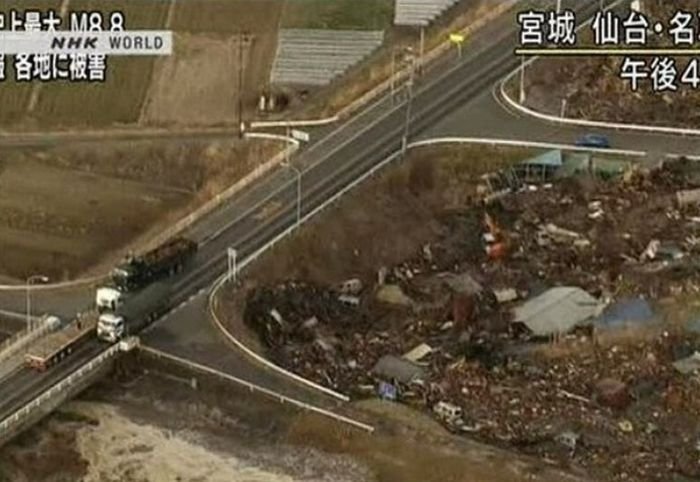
205,92
125,431
339,14
198,89
120,193
593,90
207,60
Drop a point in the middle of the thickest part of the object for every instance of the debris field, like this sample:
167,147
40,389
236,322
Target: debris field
535,323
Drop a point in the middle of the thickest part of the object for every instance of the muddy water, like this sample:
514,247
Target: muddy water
118,449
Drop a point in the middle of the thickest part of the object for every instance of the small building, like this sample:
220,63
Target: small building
540,168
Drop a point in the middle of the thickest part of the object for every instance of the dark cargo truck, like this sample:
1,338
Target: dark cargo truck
165,260
135,310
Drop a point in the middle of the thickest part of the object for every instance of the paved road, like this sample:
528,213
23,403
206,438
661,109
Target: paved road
456,101
485,117
24,384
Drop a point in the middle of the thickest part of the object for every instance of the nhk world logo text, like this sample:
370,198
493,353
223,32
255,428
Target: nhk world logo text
135,42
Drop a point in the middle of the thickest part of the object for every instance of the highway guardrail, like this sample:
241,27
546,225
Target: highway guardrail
257,388
23,338
16,418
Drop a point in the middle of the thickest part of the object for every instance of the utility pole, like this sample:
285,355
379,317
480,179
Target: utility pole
298,174
241,70
522,79
393,73
232,264
288,135
30,280
422,49
409,102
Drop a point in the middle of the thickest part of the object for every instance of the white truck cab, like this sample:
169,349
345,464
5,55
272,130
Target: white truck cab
110,327
108,299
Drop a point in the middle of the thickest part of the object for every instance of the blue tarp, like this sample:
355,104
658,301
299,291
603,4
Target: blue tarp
624,312
387,391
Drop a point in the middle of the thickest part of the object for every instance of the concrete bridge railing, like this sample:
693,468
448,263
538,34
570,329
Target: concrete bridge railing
58,392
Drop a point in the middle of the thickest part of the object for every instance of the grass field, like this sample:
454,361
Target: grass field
119,99
70,208
227,16
14,97
130,82
338,14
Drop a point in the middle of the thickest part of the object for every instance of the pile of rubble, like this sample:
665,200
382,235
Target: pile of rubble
593,89
636,236
625,408
459,328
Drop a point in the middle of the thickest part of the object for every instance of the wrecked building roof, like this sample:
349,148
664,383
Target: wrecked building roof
557,310
395,368
689,364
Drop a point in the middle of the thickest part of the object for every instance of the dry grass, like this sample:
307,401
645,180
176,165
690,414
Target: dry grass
116,101
119,100
14,96
227,16
121,194
398,452
338,14
405,204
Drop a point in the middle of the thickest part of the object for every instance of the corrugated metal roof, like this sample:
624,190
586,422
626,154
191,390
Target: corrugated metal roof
557,310
550,158
420,12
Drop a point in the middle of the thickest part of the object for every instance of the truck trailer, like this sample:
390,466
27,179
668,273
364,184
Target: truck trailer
133,311
59,344
165,260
